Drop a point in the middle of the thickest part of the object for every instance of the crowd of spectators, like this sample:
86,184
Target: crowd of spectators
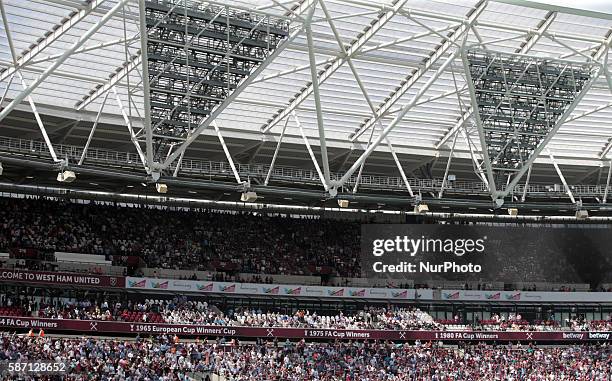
183,311
183,239
227,242
582,324
180,311
163,358
369,318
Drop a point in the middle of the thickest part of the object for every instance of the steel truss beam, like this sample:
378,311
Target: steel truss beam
93,129
400,115
84,49
49,70
594,74
368,100
118,76
526,186
448,163
366,35
425,67
41,126
51,36
145,85
204,123
128,123
360,53
525,47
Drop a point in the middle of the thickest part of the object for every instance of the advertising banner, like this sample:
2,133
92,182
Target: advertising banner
153,284
526,296
276,289
105,327
486,253
59,278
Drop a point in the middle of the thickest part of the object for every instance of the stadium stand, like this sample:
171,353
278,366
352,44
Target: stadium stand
199,312
219,245
194,240
305,190
165,358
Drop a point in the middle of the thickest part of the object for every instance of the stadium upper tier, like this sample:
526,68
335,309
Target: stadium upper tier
183,239
165,359
218,242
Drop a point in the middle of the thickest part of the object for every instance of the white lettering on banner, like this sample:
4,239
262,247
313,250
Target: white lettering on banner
573,335
599,336
326,334
466,336
357,335
11,275
29,323
49,278
338,334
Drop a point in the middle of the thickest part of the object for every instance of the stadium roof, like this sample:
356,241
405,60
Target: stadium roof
397,48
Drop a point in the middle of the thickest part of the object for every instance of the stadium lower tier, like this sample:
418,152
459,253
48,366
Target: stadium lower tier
166,358
101,327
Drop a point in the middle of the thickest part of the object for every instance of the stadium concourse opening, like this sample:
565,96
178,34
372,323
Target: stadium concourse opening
305,190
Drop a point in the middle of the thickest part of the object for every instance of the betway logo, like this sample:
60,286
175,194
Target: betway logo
599,336
573,336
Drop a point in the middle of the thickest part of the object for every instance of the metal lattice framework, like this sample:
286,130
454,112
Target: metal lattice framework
197,55
496,92
520,101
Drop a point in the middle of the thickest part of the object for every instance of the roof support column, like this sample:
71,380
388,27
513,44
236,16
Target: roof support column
312,155
605,196
93,129
280,140
142,17
317,97
567,188
364,92
526,184
128,123
448,163
227,153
